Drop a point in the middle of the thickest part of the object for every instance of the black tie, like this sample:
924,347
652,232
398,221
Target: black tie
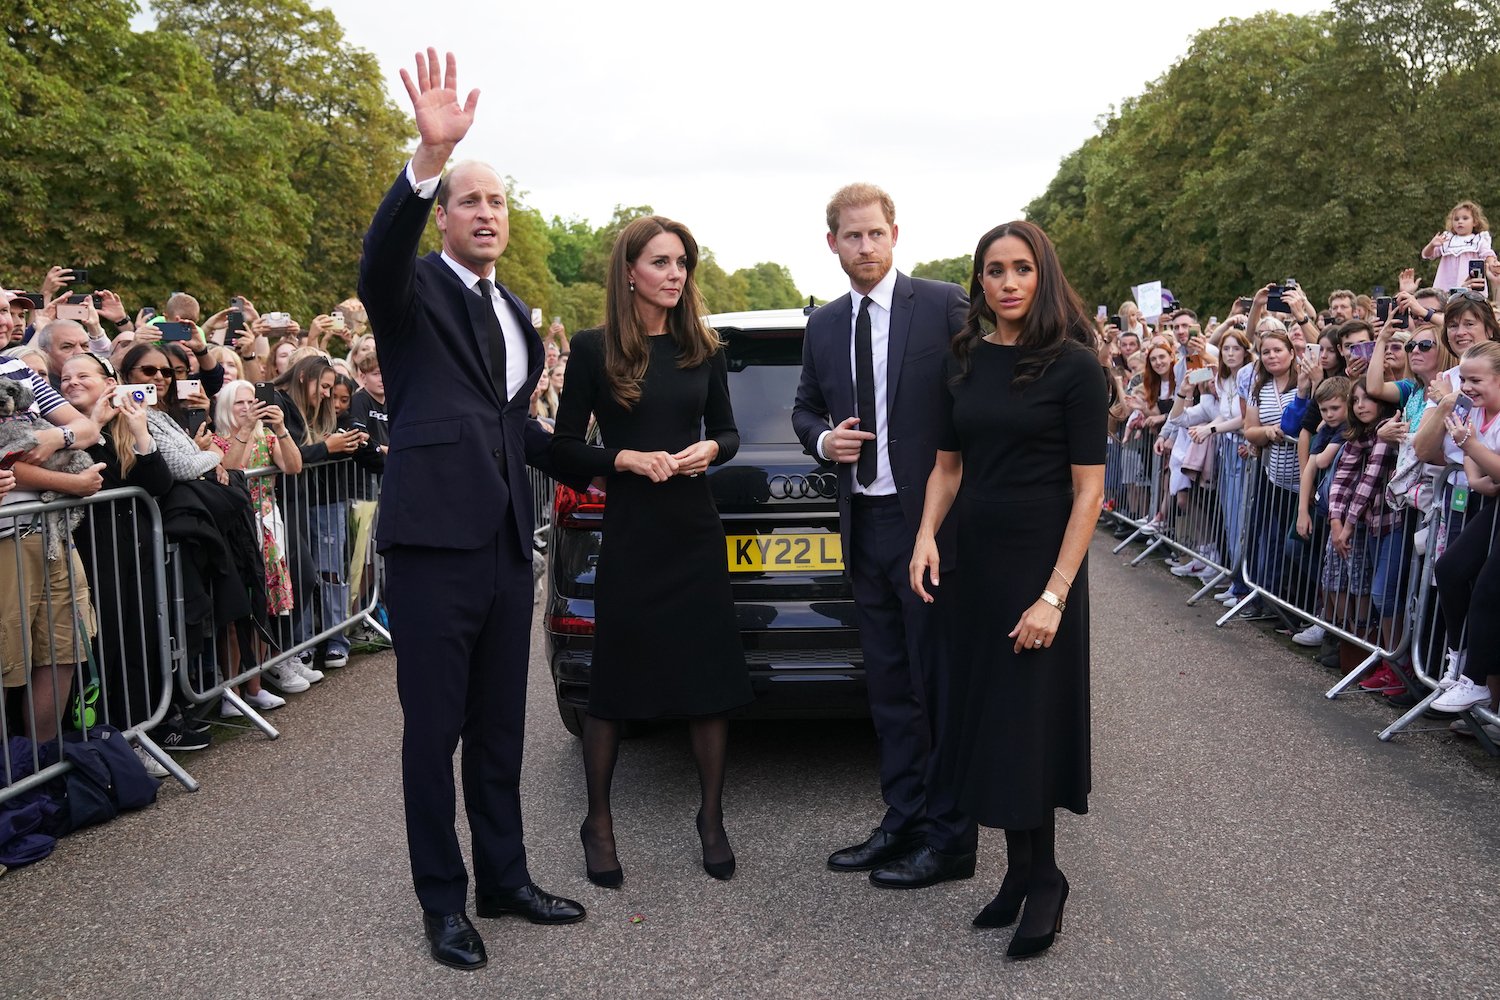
494,337
864,390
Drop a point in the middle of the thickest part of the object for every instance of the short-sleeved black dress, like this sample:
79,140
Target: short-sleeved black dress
1020,746
666,642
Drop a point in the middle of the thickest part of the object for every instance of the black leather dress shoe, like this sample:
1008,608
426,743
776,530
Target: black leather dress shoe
923,867
532,903
880,848
453,941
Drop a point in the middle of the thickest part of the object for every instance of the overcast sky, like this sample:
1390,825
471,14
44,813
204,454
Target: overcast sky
741,119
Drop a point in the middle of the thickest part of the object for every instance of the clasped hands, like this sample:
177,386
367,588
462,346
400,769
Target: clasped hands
659,466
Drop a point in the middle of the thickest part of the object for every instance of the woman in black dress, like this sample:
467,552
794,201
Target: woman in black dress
666,642
1022,466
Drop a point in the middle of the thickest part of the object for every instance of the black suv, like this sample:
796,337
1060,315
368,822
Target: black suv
780,512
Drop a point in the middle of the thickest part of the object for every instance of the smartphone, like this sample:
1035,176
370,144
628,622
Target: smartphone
189,387
1244,303
75,307
1476,269
536,317
169,332
1364,351
265,392
556,320
195,420
142,392
236,324
1101,312
1314,353
1461,407
1114,321
1197,376
11,458
1289,283
1377,291
338,321
237,303
97,299
148,313
278,320
37,299
1382,308
1274,303
80,276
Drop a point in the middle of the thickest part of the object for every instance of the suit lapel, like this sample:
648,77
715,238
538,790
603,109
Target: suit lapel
901,312
533,342
842,340
466,303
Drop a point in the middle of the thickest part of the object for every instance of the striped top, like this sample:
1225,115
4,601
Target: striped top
1279,459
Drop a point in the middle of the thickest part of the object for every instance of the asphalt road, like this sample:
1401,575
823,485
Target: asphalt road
1248,839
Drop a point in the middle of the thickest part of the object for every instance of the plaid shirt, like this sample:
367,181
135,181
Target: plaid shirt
1357,490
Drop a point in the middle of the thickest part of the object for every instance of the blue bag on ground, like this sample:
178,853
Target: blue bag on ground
106,777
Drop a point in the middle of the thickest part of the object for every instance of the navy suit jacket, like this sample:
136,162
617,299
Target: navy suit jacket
924,317
455,474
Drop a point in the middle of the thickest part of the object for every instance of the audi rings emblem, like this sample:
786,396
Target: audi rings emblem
808,487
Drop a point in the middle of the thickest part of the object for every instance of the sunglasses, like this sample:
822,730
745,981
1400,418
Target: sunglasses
153,371
1420,345
1466,293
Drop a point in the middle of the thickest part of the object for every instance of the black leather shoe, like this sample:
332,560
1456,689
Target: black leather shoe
532,903
880,848
923,867
453,941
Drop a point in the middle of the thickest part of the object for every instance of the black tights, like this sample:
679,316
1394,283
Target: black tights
1031,864
709,737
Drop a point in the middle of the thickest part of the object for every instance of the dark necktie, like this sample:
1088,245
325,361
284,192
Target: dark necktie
494,337
864,390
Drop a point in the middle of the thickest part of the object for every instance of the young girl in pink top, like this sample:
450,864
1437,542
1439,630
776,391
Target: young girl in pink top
1466,238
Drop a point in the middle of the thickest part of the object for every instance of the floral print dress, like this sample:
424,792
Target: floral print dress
268,518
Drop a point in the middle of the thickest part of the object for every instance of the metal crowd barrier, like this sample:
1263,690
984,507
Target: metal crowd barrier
542,489
1429,643
92,599
321,525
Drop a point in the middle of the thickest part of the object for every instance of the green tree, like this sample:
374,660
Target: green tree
344,139
722,292
769,286
952,269
571,240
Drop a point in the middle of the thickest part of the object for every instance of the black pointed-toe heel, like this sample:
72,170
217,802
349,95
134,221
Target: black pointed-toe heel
611,878
1026,947
721,870
1003,910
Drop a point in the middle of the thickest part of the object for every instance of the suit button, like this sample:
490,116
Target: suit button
496,453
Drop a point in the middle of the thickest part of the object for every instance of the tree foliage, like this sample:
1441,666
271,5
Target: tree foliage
954,269
1327,148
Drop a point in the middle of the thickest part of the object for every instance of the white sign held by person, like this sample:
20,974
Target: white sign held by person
1148,298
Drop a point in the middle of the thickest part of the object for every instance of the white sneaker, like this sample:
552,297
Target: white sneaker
1176,560
1189,569
228,711
336,658
149,763
1310,636
1152,526
1453,668
1462,696
1207,573
305,669
263,701
285,677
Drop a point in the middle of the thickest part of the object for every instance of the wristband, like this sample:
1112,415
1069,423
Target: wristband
1052,599
123,321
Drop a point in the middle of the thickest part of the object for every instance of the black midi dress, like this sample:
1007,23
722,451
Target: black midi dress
666,641
1019,746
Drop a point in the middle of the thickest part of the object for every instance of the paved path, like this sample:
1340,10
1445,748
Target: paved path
1248,839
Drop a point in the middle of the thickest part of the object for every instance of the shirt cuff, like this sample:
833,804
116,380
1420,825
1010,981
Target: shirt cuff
821,453
425,188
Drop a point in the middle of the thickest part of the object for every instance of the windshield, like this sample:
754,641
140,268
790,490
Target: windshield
764,368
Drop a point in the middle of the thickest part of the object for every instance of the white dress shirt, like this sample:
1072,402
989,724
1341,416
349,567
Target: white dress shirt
517,358
880,296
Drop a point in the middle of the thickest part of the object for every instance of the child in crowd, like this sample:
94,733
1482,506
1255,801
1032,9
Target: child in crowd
367,412
1465,238
1332,399
1363,530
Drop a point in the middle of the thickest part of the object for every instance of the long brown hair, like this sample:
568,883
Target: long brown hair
1262,375
1055,319
1149,378
626,341
320,421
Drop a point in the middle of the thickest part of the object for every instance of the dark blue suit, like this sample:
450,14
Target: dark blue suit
906,681
455,529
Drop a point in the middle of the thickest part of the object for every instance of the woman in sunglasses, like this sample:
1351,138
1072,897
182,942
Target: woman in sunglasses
1467,320
186,457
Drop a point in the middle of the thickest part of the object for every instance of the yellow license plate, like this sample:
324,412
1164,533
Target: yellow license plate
820,553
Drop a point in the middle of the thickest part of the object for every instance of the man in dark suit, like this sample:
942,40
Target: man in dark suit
871,399
460,361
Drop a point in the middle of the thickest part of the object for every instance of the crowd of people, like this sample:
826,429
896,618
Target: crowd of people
1304,450
181,406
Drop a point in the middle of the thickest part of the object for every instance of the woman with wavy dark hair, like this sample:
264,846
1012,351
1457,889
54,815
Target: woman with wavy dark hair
656,381
1021,463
